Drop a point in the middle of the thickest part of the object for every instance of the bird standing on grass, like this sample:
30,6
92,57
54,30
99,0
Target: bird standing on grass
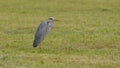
43,30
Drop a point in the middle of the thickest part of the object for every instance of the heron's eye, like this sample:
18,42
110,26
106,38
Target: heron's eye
51,18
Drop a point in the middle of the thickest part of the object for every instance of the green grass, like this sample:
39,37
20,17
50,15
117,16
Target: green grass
87,35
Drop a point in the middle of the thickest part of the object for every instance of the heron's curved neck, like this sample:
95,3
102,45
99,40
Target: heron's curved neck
49,21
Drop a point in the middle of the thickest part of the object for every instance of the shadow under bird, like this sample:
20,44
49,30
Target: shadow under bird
42,30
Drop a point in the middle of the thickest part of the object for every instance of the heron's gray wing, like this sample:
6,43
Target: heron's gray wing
40,33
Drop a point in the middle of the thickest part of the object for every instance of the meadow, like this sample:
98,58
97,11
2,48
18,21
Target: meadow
87,34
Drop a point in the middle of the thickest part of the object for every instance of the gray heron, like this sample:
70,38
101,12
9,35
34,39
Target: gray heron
42,30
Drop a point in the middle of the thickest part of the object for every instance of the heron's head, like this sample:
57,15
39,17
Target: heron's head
52,19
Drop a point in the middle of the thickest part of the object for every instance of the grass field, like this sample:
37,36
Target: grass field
87,35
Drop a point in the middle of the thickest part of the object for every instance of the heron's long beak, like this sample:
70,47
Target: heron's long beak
56,20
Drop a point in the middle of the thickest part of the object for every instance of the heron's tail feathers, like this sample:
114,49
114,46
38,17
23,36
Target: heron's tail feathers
35,43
